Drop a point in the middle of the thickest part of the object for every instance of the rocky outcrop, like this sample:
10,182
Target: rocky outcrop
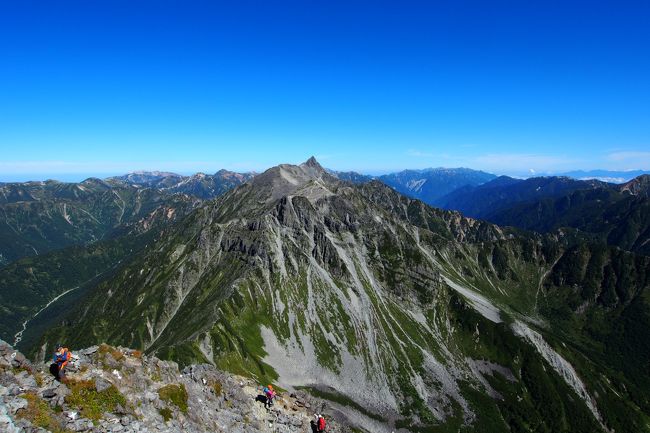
112,389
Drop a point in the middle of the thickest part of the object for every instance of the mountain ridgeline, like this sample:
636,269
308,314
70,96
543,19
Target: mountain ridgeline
39,217
200,185
47,216
482,201
431,184
615,214
407,317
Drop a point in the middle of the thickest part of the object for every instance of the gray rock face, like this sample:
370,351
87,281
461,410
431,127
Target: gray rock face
10,358
89,351
49,393
15,405
203,399
102,384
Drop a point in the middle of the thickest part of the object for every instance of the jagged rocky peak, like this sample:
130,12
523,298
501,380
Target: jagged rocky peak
313,163
639,186
310,178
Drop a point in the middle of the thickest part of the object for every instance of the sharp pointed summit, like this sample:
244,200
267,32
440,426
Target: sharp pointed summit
313,163
288,179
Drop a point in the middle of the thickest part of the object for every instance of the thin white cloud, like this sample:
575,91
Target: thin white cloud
420,154
521,158
631,156
74,167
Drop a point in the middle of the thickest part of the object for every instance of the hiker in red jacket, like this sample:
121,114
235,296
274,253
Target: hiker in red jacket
320,424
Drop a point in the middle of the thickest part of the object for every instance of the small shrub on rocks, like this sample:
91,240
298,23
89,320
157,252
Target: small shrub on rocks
20,369
93,404
166,413
217,387
175,394
39,413
115,353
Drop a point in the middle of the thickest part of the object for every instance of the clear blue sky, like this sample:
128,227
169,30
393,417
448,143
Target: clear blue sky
99,87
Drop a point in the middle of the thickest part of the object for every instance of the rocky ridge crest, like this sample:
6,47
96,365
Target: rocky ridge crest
113,389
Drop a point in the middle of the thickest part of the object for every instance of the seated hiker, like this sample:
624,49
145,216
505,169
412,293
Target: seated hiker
59,362
269,393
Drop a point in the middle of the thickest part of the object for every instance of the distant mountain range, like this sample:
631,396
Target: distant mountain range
200,185
38,217
610,176
618,214
43,216
427,185
431,184
483,200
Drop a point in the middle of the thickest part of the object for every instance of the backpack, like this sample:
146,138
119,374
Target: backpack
321,423
62,358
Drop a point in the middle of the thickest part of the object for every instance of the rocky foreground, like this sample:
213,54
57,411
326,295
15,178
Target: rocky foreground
121,390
